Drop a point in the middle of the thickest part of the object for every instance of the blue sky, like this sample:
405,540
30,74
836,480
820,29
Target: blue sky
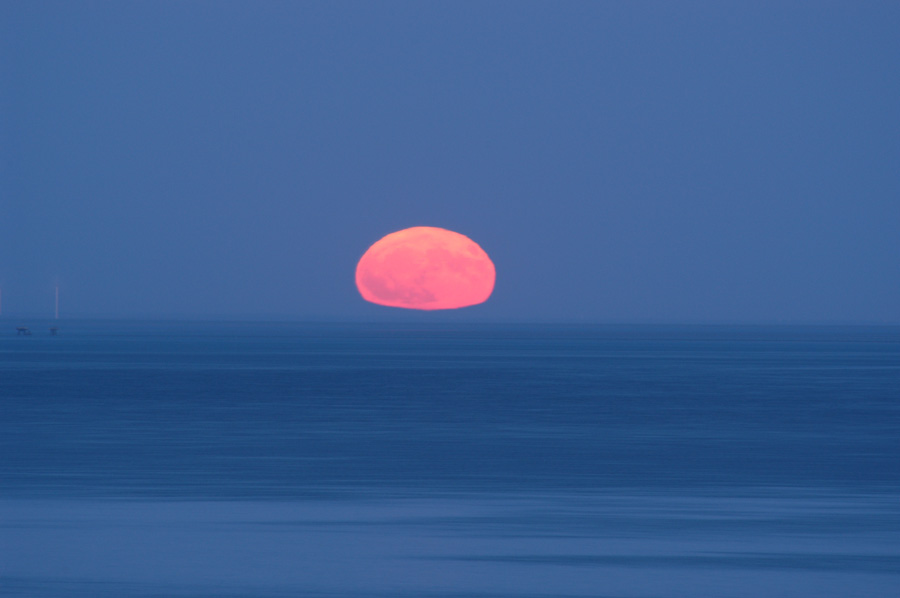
619,161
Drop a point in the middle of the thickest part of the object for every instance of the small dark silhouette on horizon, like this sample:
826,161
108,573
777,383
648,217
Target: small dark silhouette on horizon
22,330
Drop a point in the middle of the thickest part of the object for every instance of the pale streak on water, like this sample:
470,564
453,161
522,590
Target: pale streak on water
190,459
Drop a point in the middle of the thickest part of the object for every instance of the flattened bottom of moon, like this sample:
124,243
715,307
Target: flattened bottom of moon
425,268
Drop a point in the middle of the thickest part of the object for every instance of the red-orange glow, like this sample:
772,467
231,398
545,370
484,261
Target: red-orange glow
425,268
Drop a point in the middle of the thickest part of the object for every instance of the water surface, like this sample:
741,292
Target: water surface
232,459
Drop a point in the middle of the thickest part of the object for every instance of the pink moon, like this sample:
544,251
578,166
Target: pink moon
425,268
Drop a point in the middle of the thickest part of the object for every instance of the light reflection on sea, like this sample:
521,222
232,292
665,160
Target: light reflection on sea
548,545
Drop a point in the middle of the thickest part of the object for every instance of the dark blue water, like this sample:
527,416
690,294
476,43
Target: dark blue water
192,459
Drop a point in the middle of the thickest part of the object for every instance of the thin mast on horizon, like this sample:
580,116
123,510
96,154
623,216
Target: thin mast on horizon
56,309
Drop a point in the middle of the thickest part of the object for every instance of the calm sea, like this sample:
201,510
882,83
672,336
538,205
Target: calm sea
221,459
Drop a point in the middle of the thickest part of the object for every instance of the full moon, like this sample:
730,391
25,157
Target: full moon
425,268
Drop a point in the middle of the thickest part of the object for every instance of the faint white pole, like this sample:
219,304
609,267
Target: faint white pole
56,311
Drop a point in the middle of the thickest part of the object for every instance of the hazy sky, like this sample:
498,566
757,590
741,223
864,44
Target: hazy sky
619,161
